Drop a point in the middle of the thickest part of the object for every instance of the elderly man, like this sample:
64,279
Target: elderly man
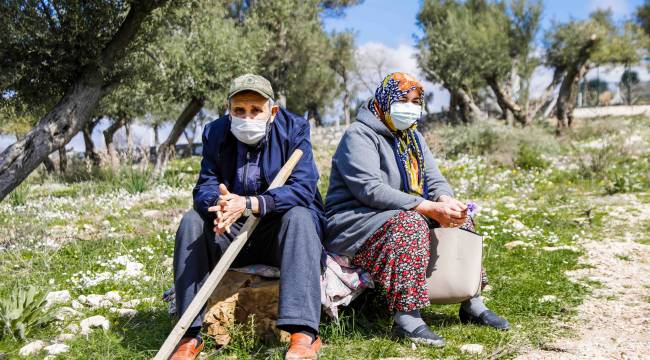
242,153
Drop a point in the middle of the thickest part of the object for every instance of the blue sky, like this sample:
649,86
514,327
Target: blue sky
393,22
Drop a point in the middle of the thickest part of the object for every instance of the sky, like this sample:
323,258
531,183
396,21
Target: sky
393,23
387,30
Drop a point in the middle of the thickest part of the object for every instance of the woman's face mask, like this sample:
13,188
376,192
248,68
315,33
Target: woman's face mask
404,114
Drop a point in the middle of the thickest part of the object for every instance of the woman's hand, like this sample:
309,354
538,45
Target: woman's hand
447,214
451,200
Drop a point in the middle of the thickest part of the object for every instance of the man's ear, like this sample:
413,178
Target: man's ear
274,111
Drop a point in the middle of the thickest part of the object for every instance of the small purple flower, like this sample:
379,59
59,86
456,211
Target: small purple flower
472,209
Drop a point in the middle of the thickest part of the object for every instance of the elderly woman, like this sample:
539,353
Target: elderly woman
385,195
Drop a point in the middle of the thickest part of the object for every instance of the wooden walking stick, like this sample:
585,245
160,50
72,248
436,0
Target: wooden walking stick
220,269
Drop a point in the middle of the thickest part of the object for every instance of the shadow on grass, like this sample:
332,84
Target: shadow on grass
146,331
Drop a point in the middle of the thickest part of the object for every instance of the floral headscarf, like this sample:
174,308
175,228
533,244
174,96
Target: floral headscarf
407,148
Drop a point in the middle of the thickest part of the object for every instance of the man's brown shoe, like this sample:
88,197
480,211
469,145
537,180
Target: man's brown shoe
301,347
188,349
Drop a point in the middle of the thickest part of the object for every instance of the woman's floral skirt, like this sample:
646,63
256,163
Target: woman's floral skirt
397,255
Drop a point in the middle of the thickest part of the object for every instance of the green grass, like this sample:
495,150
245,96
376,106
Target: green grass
542,195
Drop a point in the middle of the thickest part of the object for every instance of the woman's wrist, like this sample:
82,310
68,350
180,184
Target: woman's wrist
426,208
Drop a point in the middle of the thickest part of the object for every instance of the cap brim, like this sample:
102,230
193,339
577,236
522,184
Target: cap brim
249,89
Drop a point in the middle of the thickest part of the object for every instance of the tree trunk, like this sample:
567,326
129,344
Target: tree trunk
75,108
129,141
63,160
166,149
156,135
346,109
506,102
49,165
454,112
347,97
90,153
315,115
469,111
569,87
547,96
109,133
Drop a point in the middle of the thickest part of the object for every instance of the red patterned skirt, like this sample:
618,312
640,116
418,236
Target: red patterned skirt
397,255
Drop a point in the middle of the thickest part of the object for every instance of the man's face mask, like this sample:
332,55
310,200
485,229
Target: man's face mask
249,131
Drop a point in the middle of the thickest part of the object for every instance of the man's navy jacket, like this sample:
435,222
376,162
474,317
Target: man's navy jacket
287,133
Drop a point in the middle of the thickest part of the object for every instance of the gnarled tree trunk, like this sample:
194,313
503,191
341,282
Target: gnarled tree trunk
569,87
467,108
75,108
166,149
63,160
109,133
129,141
90,153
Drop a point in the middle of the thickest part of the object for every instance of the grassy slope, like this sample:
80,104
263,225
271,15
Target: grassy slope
524,195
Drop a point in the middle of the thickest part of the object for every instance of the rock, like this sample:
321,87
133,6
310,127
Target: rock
154,214
66,313
472,348
73,328
32,348
124,312
56,349
76,305
95,301
96,321
548,298
518,225
561,247
57,297
513,244
131,303
238,297
63,337
112,296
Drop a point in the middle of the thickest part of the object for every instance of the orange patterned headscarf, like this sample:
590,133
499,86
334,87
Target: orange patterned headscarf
408,151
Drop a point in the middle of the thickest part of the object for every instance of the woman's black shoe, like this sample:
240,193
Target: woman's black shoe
421,335
487,318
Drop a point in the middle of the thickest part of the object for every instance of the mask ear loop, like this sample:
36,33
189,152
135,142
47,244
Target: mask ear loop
268,121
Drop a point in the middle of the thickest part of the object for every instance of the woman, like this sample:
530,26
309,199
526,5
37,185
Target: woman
385,194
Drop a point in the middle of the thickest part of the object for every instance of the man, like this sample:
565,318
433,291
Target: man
242,153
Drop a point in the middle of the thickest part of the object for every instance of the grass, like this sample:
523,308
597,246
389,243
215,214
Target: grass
64,232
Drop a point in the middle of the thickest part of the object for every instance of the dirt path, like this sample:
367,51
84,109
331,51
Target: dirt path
614,322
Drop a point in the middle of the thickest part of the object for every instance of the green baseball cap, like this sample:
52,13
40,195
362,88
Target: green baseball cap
251,82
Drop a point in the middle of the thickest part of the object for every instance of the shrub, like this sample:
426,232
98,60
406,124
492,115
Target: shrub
529,158
19,195
23,311
134,180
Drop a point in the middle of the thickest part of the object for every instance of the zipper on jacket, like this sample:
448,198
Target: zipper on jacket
248,157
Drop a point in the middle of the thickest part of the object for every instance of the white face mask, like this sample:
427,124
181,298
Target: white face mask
248,131
404,115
